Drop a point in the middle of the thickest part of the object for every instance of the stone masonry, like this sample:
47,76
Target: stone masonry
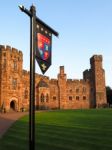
60,93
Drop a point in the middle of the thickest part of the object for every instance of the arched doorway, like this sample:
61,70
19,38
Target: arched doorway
13,105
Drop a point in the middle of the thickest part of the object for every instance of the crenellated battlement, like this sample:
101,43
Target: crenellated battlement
96,58
86,71
77,81
54,81
8,48
11,50
69,80
2,47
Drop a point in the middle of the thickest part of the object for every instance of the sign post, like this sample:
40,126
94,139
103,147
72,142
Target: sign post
32,15
32,81
40,48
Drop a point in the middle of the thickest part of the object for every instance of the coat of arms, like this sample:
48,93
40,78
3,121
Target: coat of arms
44,46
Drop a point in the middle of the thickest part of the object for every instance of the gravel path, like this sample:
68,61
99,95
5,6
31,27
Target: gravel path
7,119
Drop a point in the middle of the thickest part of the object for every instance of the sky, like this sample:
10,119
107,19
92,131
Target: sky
84,27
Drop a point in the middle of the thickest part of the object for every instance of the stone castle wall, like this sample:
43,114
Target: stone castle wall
60,93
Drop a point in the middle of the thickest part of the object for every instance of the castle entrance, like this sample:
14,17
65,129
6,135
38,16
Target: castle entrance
13,105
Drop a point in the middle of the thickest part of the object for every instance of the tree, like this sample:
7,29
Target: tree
109,95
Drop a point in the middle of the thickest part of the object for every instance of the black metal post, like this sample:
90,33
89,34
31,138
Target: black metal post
32,15
32,80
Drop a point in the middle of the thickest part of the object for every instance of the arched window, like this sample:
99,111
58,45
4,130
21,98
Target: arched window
47,98
42,97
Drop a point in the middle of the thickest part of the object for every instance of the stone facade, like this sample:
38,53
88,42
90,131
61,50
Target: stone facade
60,93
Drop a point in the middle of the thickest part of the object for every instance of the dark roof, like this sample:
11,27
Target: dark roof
42,84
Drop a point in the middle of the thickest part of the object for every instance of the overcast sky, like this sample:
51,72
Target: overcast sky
84,26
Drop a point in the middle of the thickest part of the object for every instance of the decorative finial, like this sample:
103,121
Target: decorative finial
21,7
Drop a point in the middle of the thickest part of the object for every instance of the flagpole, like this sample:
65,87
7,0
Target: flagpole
32,15
32,80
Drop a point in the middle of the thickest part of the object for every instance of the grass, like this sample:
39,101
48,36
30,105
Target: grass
63,130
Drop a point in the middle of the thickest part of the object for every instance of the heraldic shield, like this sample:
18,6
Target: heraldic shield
44,46
43,53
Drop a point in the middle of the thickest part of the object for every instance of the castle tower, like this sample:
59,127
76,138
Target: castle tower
62,88
98,89
10,77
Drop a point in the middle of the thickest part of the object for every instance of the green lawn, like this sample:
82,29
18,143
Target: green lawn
63,130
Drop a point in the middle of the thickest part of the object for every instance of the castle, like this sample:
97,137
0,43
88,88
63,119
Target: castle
60,93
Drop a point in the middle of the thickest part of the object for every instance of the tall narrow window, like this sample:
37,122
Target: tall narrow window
77,97
70,98
42,97
14,84
47,98
84,90
15,65
4,64
26,94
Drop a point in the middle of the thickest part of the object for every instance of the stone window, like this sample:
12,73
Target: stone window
4,54
54,98
14,84
70,98
4,64
15,65
26,94
84,97
47,98
70,90
42,97
77,90
84,90
77,97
